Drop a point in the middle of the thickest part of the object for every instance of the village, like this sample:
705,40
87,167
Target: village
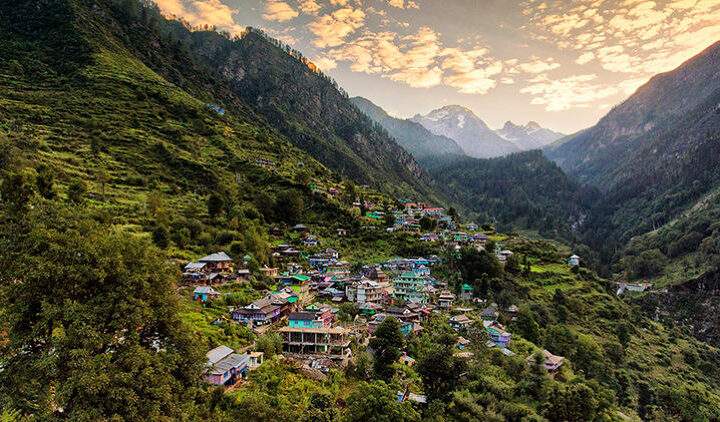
323,307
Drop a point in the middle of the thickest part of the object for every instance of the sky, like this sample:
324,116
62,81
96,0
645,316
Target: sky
563,64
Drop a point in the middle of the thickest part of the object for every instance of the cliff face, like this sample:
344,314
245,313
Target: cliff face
694,305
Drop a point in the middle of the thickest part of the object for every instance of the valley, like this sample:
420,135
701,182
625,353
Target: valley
204,226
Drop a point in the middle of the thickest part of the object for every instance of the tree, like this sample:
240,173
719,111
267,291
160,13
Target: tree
512,265
623,333
347,311
452,213
440,370
574,402
76,191
215,205
270,344
526,325
102,177
45,182
290,206
97,318
16,191
560,340
161,236
387,345
427,223
389,217
377,402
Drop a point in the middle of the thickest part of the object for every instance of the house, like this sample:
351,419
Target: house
377,274
503,255
304,320
260,312
498,335
403,314
366,291
406,327
301,228
513,310
633,287
415,398
406,360
205,293
490,314
225,367
462,343
292,279
195,267
256,359
244,274
446,299
216,108
460,322
331,341
218,262
551,363
269,272
369,309
574,261
410,287
466,292
341,232
310,241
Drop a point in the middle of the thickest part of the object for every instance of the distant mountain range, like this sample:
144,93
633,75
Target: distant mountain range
412,136
468,130
530,136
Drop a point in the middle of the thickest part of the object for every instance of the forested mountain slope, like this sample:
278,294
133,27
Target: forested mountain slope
103,122
522,190
656,155
307,107
420,142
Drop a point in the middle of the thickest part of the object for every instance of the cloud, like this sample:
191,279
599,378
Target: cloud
657,35
325,63
470,71
309,6
202,12
331,30
577,91
279,11
402,4
421,60
585,58
535,66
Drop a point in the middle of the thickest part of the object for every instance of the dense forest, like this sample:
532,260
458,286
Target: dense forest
520,191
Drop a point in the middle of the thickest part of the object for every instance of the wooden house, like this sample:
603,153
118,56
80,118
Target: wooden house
225,367
205,294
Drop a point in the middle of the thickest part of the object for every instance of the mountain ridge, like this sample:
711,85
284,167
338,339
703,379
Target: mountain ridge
469,131
412,136
529,136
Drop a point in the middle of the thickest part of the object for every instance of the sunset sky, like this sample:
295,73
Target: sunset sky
563,64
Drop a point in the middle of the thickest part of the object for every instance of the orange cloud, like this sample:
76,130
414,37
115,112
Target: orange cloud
279,11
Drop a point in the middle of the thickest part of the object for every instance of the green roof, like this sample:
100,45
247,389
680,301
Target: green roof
300,277
409,274
466,287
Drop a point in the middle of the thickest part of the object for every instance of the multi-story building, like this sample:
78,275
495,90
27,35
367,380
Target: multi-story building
366,291
331,341
410,287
